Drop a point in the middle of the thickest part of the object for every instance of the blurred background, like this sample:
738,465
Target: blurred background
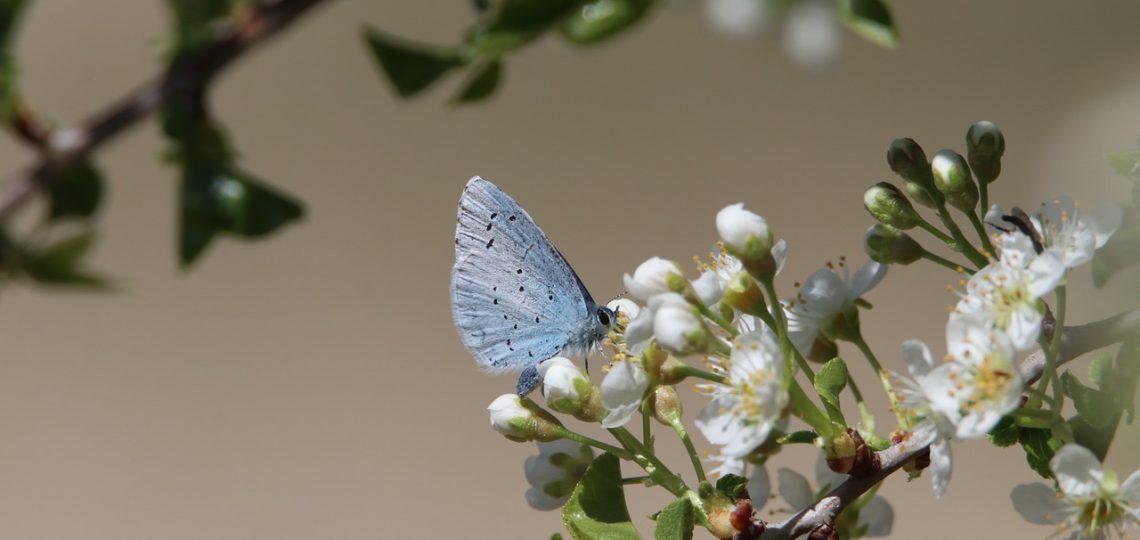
313,386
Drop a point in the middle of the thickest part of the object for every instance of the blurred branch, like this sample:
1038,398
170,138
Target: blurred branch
1076,341
186,77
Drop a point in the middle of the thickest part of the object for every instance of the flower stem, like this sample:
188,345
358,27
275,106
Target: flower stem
941,236
781,327
631,480
690,371
646,425
884,377
656,469
930,256
959,243
577,437
1053,352
981,230
692,450
803,407
716,318
865,415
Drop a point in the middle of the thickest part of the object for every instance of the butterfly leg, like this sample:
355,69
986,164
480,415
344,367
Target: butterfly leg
528,380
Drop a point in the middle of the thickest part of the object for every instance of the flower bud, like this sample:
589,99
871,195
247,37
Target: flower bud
984,147
747,237
848,453
567,390
677,328
887,245
744,294
907,160
666,405
952,177
707,288
655,276
521,420
889,206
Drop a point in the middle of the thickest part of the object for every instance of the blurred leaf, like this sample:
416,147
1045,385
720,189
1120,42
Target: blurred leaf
224,199
1004,433
1100,371
870,19
77,192
1039,448
829,382
482,84
190,13
526,16
10,13
482,6
411,67
1122,250
1094,406
1126,163
731,486
595,21
61,263
597,507
676,521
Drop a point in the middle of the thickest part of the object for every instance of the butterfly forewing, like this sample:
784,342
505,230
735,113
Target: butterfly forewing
514,298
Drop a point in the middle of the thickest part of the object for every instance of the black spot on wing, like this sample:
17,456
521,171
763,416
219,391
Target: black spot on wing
490,243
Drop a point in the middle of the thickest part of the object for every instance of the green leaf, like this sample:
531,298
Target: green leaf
411,67
526,16
1122,250
1004,433
10,13
731,486
221,198
61,263
798,437
1094,406
597,509
676,521
870,19
596,21
482,84
1126,163
1100,371
1038,449
829,382
77,192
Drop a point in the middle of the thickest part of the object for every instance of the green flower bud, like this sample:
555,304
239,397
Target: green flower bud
888,245
907,160
521,420
952,177
597,20
984,147
744,294
889,206
666,405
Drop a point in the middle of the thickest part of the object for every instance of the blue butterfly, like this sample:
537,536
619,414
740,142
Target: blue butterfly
514,298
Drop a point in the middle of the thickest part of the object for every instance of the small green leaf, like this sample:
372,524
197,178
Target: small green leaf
556,536
61,263
1004,433
597,507
1038,449
526,16
482,83
870,19
829,382
1094,406
1126,163
77,192
731,486
1100,371
676,521
411,67
596,21
798,437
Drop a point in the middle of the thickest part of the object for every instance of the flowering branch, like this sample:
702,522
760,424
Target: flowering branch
186,78
1076,341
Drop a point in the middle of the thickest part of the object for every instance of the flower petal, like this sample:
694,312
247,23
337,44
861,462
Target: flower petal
622,390
1130,489
918,358
866,278
794,488
877,516
1078,471
941,466
759,486
1038,503
825,477
1103,221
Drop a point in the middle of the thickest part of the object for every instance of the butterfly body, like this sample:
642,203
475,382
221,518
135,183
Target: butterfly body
514,298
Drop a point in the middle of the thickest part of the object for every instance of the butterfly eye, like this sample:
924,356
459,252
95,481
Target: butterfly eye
604,316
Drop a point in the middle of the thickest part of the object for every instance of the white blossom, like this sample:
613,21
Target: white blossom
675,326
987,384
554,472
708,288
742,412
1090,503
823,297
622,390
651,277
507,412
743,232
564,386
1075,235
926,397
812,34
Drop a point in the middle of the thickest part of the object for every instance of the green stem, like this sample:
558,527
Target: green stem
1054,351
636,480
983,197
864,411
690,371
781,327
716,318
646,425
644,458
884,378
928,255
981,230
577,437
960,244
941,236
692,450
803,408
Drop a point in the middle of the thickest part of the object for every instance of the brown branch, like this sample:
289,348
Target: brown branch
1076,341
186,77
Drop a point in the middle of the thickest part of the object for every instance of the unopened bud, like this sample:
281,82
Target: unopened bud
666,405
907,160
744,294
952,177
984,147
889,206
849,454
520,420
888,245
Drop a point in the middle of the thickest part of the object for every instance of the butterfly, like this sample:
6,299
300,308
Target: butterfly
514,298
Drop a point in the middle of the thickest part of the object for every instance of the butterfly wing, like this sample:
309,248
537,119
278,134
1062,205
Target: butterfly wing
514,298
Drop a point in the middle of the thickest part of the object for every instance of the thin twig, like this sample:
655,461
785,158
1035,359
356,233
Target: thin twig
1076,341
189,76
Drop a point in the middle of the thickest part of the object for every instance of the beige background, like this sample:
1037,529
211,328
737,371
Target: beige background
312,386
